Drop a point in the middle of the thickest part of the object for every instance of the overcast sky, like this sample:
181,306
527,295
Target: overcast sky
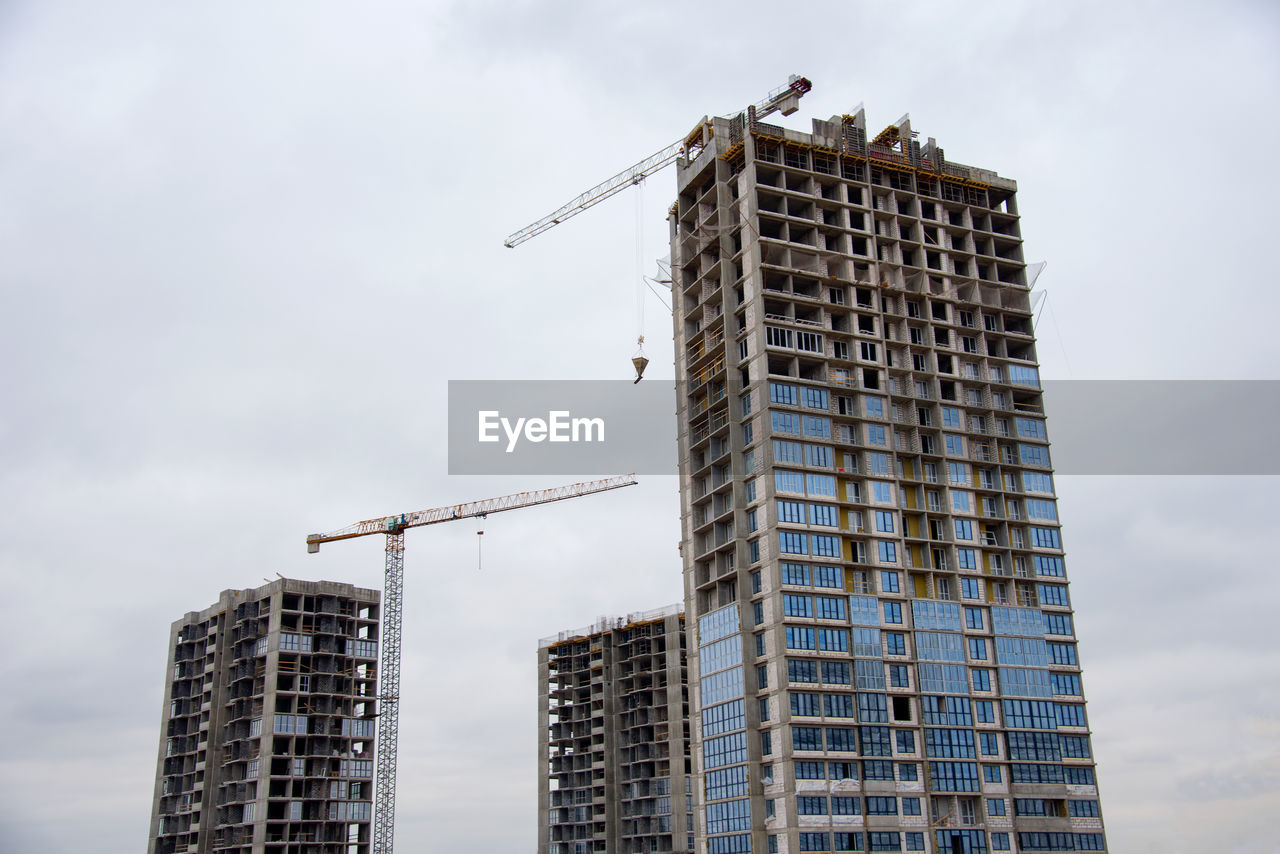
243,247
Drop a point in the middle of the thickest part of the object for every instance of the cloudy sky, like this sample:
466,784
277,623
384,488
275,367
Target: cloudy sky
243,247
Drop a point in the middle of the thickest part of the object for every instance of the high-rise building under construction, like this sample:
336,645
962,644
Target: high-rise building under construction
267,734
882,652
613,738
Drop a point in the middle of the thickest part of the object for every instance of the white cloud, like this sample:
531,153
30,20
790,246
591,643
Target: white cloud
245,247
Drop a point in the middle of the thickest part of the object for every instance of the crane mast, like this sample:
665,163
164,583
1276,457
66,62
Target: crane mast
784,99
384,809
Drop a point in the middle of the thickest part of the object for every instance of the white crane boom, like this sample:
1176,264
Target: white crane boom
384,808
784,99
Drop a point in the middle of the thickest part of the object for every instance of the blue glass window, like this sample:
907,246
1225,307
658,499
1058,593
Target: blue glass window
800,637
814,398
797,606
795,573
790,542
895,643
789,481
791,511
1034,455
828,576
825,546
782,393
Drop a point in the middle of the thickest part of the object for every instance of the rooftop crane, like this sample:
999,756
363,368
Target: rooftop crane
392,608
784,99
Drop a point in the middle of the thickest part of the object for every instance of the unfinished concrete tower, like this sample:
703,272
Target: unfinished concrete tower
613,739
882,652
267,736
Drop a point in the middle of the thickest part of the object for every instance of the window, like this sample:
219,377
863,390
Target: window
841,739
1070,714
825,546
889,582
800,637
833,640
778,393
846,806
805,704
1034,455
978,649
877,769
802,670
828,576
884,840
895,642
829,608
1058,624
797,606
809,770
878,805
821,484
893,614
970,588
811,805
888,551
795,573
1045,538
813,398
1053,594
790,542
817,427
973,618
835,672
1066,683
964,529
815,841
826,515
787,452
954,776
789,481
818,456
984,711
906,742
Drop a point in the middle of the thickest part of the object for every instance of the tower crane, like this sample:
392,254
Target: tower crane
392,608
784,99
